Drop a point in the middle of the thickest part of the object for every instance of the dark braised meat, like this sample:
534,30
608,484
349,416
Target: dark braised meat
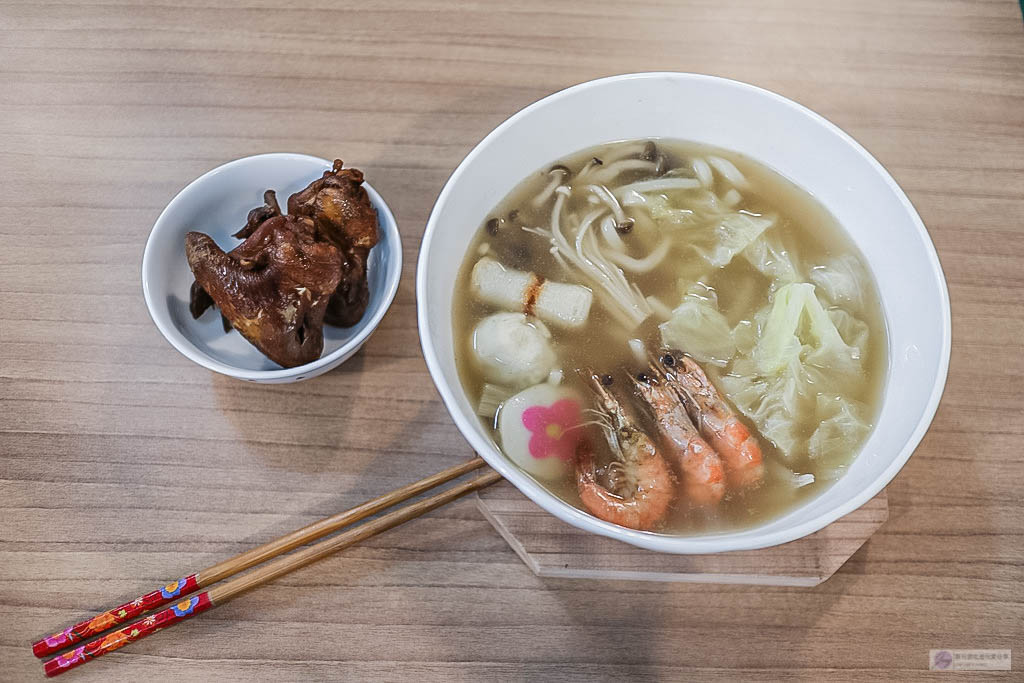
260,214
341,211
349,302
198,300
273,288
319,251
339,207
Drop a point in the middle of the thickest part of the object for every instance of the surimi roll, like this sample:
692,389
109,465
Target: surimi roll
557,303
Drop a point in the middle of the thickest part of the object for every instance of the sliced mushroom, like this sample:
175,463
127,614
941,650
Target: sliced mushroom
558,174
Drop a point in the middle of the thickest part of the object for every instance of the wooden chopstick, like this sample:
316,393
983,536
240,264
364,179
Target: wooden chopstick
228,590
250,558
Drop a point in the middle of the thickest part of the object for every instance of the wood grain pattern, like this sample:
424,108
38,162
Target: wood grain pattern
552,548
122,465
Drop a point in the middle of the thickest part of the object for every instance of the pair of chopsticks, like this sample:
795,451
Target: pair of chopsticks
187,607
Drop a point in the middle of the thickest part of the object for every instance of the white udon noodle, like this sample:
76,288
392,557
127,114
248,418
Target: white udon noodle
703,171
621,298
645,264
609,230
609,172
603,268
729,171
595,165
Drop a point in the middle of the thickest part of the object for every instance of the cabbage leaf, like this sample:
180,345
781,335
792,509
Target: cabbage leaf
732,235
799,354
798,326
841,425
772,259
702,207
853,330
839,279
714,230
699,329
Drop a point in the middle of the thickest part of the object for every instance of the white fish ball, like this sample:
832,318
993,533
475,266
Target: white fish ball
513,349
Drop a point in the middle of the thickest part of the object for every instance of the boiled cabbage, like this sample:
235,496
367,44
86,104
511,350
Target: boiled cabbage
744,335
702,207
798,326
799,354
713,229
790,481
853,330
772,259
697,328
733,234
773,401
840,279
841,425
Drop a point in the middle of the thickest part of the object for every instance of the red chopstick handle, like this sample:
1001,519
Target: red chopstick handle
117,639
113,617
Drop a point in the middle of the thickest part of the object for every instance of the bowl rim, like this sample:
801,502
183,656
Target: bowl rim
697,544
371,319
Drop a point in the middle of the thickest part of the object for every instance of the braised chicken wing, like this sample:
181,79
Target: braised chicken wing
293,272
273,288
340,208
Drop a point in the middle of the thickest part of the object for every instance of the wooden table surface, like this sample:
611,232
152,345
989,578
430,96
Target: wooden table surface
123,465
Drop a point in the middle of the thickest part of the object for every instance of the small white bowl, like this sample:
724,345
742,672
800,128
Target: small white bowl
769,128
217,203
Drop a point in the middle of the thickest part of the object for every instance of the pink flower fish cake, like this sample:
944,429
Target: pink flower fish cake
540,429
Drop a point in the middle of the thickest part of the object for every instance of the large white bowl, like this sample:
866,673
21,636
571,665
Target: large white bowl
217,203
769,128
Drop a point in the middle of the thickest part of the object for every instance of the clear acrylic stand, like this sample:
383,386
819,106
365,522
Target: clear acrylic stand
552,548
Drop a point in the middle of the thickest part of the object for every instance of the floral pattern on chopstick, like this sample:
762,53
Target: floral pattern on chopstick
185,607
69,659
121,637
113,617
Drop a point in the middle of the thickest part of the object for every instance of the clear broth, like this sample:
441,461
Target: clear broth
809,232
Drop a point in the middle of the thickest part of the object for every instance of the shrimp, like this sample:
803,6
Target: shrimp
699,464
739,449
638,485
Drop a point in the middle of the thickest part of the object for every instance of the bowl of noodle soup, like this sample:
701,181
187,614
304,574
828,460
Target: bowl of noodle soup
696,146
